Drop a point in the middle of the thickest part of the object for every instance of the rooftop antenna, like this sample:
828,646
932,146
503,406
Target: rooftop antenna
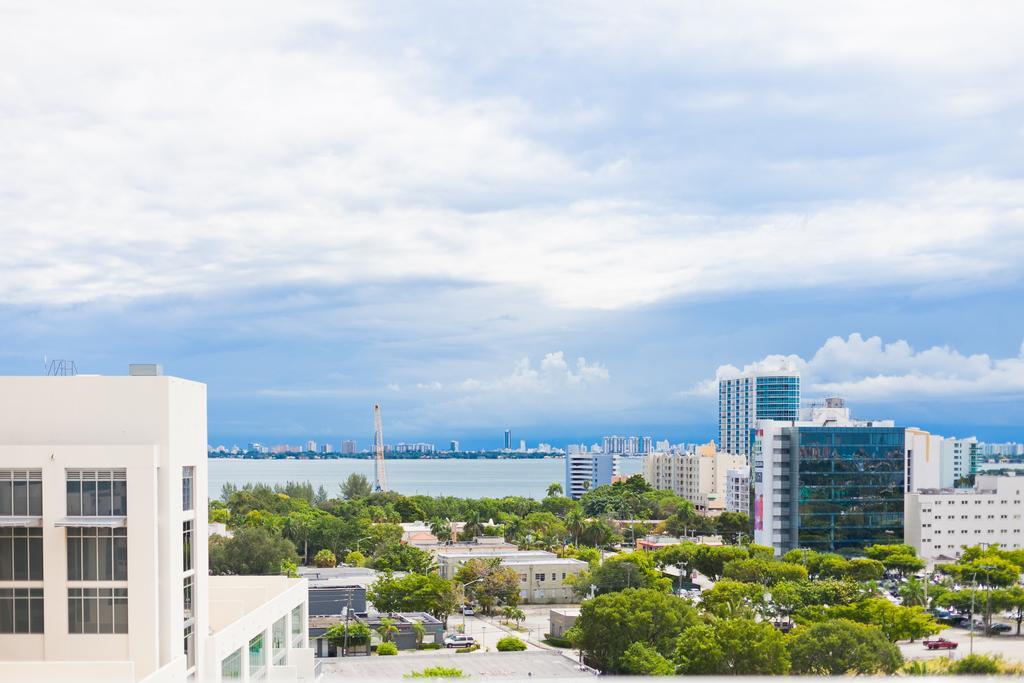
59,367
380,479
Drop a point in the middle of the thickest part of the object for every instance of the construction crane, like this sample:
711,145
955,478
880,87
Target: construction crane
380,478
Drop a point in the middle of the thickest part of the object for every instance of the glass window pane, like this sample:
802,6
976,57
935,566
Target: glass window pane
21,497
21,615
6,555
231,667
35,553
120,498
6,615
36,616
74,498
35,498
74,558
89,558
105,557
103,498
5,498
106,613
90,618
89,498
120,558
121,615
20,558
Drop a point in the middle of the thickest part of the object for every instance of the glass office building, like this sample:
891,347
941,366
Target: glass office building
742,401
846,487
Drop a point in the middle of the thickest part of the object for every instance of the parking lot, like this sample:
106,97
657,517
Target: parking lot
1010,647
535,665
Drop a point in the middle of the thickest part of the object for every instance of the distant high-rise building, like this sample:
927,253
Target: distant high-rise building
742,401
662,445
311,446
348,447
522,445
454,448
508,440
325,448
645,444
585,471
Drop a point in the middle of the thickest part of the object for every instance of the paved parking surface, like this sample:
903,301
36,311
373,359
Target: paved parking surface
536,665
1010,647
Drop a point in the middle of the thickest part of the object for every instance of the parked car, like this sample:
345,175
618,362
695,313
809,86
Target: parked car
468,610
940,644
459,640
996,627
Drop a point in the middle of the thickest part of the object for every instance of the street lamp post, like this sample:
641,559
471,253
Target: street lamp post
468,583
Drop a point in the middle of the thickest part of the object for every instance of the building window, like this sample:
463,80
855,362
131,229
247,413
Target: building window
298,626
98,610
257,659
190,647
97,493
21,493
188,477
97,554
538,577
21,554
21,610
231,667
279,641
186,545
187,595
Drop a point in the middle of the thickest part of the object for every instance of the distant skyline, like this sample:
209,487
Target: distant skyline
561,218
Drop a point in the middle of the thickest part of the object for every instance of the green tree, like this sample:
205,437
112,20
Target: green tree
442,529
912,592
555,489
765,572
1012,598
864,569
839,647
325,558
414,593
510,644
610,623
473,527
250,551
710,560
387,629
731,525
354,558
729,599
220,515
421,632
575,523
399,557
630,570
513,614
640,659
289,569
895,621
355,487
975,665
488,583
733,647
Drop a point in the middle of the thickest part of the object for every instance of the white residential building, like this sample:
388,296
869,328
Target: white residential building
924,460
699,477
941,522
585,471
960,458
103,554
750,397
542,575
737,490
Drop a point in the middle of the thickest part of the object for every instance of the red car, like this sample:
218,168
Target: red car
940,644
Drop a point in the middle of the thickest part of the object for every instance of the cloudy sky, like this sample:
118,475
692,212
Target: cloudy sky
564,218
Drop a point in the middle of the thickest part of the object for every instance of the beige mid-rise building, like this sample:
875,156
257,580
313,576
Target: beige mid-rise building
701,477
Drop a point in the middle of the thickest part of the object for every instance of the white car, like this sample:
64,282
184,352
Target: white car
467,610
459,640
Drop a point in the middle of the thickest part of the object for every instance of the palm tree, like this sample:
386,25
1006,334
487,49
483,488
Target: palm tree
420,632
442,529
387,629
474,526
555,490
575,522
513,614
912,593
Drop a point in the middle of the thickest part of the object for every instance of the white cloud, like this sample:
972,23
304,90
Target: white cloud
553,375
872,370
190,152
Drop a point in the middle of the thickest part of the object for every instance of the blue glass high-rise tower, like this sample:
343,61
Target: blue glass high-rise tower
742,401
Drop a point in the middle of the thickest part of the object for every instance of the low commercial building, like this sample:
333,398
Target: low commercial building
542,575
699,477
103,553
941,522
561,620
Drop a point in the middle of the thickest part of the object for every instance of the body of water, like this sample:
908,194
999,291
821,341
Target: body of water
461,478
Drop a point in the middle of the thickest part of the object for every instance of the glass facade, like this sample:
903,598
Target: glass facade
849,487
778,398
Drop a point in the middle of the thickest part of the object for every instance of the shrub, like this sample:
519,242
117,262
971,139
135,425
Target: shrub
387,649
437,672
325,558
430,646
556,641
974,665
472,648
510,644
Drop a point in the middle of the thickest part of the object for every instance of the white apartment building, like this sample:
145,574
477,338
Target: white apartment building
103,554
542,575
737,490
700,477
753,396
585,471
960,458
940,522
924,460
